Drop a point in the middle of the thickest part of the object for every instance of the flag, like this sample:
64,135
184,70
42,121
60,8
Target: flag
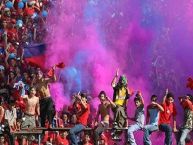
51,71
35,55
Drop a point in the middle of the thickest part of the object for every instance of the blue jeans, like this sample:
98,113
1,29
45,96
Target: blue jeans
168,133
148,129
184,133
74,131
131,130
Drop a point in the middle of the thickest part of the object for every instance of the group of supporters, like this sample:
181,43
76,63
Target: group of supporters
30,108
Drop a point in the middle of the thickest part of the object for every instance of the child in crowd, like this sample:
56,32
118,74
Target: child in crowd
61,138
87,140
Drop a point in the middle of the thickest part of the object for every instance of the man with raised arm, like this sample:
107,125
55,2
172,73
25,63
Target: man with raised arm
104,113
139,118
120,97
166,117
83,112
47,109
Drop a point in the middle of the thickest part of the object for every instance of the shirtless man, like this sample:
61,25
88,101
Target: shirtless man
31,112
46,103
32,109
104,111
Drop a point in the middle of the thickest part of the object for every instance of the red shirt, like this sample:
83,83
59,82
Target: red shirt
11,33
16,142
187,104
29,11
62,141
84,116
169,110
48,135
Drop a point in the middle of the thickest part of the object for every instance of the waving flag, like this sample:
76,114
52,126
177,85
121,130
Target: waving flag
51,71
35,54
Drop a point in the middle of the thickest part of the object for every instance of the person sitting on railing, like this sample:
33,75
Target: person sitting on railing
73,110
153,111
166,117
186,128
82,115
104,112
139,118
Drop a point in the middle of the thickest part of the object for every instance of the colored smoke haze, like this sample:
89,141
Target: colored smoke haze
149,41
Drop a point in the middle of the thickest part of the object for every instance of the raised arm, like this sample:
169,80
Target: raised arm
52,78
186,103
82,103
141,97
113,83
160,108
6,56
164,99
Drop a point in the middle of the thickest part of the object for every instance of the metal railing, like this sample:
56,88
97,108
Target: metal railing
39,131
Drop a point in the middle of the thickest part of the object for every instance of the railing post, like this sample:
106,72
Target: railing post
39,139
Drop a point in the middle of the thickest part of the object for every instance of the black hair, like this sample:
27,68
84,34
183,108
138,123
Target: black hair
83,95
137,98
154,96
169,95
190,96
102,92
30,88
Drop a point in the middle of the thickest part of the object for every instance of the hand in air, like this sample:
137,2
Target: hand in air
117,73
